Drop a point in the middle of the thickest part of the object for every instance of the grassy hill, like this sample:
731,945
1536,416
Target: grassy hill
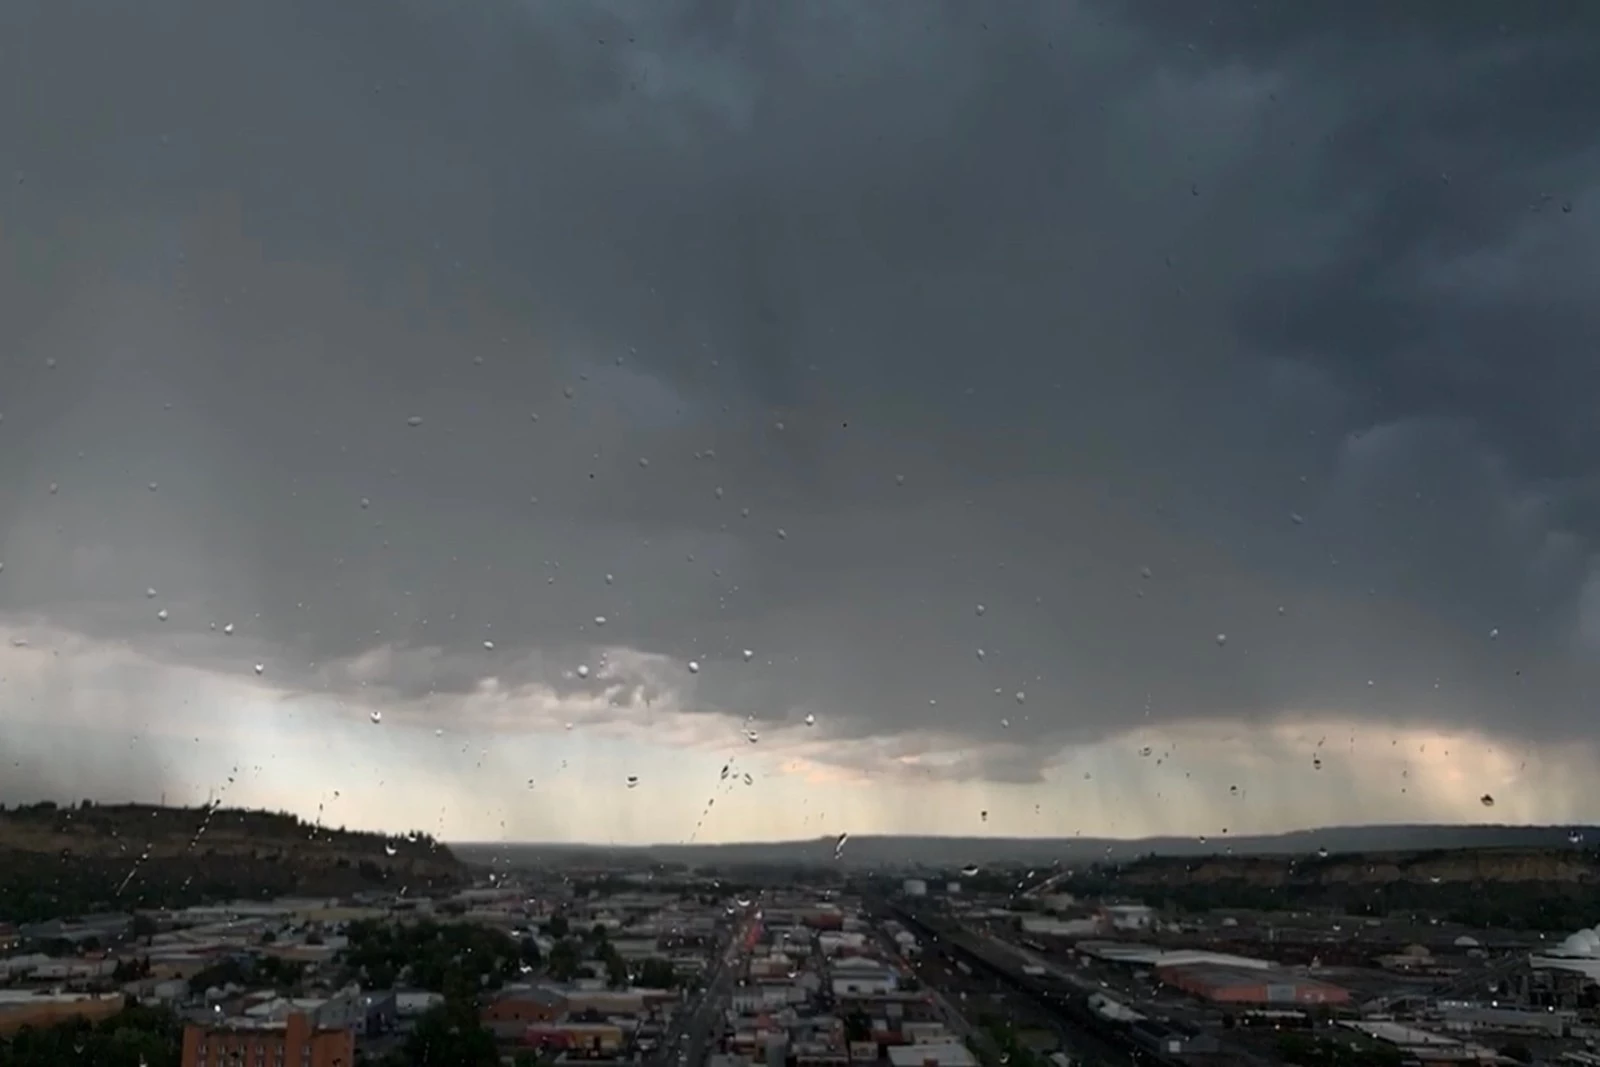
64,860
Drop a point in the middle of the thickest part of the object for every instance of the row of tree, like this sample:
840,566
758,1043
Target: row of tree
432,956
135,1037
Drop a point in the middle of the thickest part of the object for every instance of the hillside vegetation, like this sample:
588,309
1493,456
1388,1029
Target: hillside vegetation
1528,888
64,860
1433,866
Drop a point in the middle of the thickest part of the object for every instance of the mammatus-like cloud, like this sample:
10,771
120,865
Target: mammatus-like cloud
1174,374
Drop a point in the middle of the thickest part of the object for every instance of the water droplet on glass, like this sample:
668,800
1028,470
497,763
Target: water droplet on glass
152,487
1144,572
838,845
376,717
389,849
151,593
1322,853
227,630
365,503
1222,639
583,670
783,535
162,614
1022,698
752,736
1494,633
981,653
488,646
970,871
415,420
261,668
633,781
599,620
1486,800
1296,518
610,579
694,667
1005,724
811,720
980,609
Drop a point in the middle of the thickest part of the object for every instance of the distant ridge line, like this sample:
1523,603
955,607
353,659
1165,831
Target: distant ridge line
943,851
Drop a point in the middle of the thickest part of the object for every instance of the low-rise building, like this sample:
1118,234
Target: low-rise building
44,1007
291,1041
1241,985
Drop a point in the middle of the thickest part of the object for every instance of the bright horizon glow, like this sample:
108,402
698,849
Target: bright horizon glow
509,770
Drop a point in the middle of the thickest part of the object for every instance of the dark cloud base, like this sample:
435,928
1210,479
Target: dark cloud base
837,322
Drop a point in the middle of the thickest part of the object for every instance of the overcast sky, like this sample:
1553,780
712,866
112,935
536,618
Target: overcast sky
1026,418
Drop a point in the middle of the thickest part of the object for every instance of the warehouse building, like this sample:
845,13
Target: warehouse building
1250,985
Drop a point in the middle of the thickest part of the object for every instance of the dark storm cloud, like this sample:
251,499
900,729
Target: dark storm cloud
817,326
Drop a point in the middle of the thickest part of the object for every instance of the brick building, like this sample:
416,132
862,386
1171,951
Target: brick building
290,1042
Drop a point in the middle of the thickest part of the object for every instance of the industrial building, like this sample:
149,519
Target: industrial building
1222,984
1172,1038
1152,958
1423,1046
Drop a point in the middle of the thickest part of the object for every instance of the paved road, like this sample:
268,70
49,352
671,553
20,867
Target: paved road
696,1029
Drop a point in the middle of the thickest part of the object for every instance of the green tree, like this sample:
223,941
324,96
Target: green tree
429,954
564,961
135,1037
449,1035
616,967
657,974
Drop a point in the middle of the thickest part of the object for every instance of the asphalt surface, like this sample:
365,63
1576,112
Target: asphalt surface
694,1032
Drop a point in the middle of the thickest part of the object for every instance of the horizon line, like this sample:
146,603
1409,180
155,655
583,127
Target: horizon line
1221,839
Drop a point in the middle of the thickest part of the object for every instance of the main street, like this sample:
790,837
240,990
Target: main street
697,1025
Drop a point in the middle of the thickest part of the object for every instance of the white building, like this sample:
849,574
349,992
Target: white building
953,1054
858,976
1050,927
1130,916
